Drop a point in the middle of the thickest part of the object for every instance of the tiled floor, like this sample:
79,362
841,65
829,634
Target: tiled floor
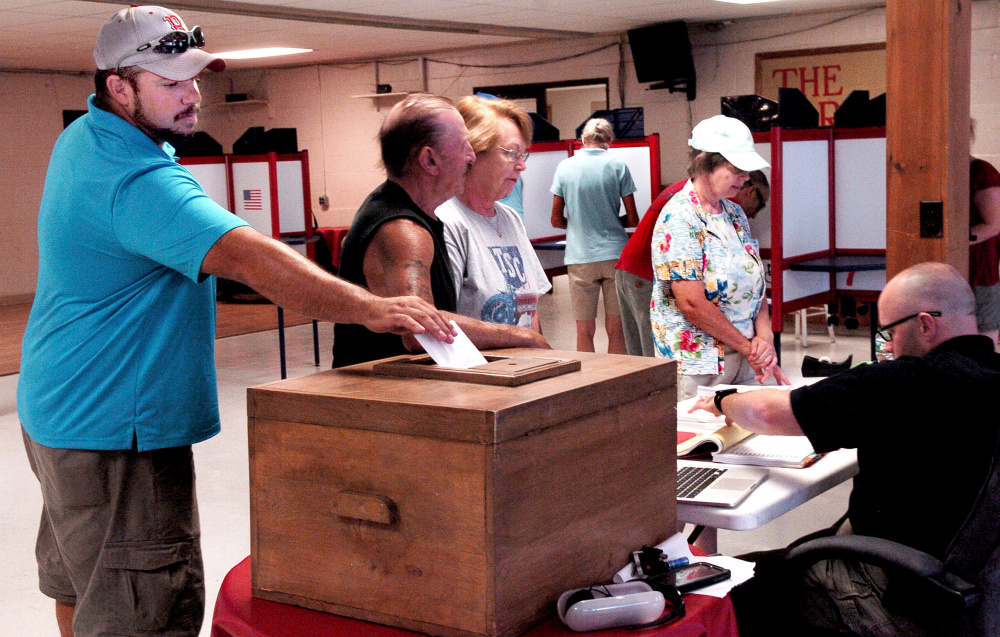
245,361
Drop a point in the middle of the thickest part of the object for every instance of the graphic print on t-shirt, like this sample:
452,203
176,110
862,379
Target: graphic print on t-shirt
506,307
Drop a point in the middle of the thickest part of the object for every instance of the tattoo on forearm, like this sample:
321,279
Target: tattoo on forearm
418,280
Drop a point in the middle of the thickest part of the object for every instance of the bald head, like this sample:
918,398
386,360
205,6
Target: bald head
933,286
927,287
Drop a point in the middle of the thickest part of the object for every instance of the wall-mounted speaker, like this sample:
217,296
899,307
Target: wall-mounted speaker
661,53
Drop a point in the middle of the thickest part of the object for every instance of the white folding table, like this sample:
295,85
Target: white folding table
779,493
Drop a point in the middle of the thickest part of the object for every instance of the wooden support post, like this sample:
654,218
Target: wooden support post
928,55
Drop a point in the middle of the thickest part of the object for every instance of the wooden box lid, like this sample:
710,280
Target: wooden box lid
358,397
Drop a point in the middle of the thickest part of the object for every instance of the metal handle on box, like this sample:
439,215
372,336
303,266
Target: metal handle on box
366,507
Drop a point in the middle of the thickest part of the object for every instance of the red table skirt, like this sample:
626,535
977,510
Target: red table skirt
237,614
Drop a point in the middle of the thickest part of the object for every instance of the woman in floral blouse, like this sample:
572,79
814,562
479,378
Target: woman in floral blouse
709,309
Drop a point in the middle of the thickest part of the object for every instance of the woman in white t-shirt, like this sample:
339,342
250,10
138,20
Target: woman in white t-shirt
497,275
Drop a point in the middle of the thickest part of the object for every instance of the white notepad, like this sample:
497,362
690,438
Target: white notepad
769,451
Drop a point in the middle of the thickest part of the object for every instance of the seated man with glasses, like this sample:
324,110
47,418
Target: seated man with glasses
911,488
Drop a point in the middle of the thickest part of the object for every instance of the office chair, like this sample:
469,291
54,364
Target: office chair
921,587
957,596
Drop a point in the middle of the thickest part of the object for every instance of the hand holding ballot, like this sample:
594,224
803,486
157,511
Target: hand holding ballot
408,315
460,353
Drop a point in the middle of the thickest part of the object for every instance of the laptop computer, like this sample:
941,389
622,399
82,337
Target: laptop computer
716,484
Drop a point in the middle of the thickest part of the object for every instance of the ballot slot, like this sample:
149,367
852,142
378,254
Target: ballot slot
509,371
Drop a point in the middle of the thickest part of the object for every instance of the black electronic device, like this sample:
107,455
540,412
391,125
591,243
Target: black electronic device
795,110
257,141
858,111
200,144
251,142
695,576
281,140
813,367
543,131
756,111
876,110
70,116
661,53
625,123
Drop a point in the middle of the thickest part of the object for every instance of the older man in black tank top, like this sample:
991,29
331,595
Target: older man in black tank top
395,245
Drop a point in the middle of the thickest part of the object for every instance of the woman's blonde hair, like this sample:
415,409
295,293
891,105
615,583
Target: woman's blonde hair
482,117
598,131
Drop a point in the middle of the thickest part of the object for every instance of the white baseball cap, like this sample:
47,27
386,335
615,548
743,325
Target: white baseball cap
730,138
154,39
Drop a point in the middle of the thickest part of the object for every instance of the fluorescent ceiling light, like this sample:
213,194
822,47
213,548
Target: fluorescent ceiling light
248,54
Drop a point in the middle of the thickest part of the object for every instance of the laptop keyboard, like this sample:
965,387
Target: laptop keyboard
693,480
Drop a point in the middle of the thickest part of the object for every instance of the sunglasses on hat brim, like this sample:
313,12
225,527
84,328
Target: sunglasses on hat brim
171,43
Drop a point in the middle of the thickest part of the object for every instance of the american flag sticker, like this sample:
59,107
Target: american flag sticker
252,200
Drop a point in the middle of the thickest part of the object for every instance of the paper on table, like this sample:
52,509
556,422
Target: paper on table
461,354
699,419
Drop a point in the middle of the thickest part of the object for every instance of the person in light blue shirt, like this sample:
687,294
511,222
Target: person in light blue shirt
516,199
118,362
587,189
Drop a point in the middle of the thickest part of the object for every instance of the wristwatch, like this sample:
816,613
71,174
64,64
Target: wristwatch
722,393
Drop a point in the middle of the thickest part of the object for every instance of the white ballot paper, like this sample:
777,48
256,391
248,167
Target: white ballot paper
461,354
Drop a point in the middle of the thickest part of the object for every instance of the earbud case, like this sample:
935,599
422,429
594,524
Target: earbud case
628,604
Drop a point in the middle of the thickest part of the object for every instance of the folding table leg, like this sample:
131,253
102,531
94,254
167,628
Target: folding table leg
316,342
281,340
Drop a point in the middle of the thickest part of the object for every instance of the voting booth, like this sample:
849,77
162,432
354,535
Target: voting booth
451,503
641,155
270,192
827,205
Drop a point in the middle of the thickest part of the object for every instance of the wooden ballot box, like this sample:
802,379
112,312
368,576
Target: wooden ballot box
459,503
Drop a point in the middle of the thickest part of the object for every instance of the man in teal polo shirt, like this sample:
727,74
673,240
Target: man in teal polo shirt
118,365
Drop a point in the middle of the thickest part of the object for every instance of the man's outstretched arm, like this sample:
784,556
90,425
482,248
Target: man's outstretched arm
290,280
763,411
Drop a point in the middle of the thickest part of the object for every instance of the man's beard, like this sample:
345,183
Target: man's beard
158,133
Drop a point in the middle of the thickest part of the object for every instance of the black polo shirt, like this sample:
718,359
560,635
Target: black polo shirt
925,428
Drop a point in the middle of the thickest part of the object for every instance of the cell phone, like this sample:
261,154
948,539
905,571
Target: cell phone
695,576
